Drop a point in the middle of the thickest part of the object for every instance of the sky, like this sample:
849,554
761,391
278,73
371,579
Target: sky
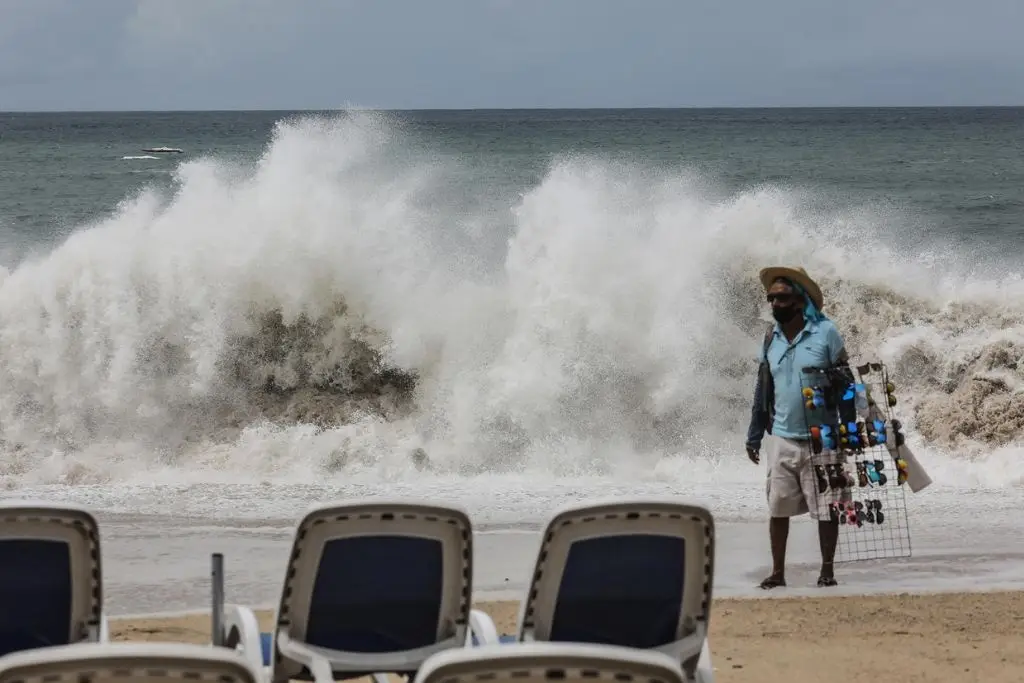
408,54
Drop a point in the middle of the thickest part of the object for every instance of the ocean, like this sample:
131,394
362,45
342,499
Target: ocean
511,310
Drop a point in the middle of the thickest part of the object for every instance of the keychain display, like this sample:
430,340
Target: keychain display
858,473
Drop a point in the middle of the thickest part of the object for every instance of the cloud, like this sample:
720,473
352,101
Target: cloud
160,54
56,43
216,35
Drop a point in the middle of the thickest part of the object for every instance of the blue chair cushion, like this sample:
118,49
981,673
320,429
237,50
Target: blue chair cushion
375,594
621,590
35,594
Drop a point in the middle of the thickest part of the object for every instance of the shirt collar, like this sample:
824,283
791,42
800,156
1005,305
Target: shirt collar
809,326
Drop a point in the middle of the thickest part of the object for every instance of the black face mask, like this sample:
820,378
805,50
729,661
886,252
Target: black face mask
785,313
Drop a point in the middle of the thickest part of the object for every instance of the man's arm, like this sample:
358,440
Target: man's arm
760,413
755,432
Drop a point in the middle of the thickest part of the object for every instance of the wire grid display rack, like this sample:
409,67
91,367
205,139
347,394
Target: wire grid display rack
858,478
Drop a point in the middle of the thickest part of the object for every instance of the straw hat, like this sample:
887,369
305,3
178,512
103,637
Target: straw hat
797,275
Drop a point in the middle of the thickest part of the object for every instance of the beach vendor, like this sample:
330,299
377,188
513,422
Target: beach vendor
802,336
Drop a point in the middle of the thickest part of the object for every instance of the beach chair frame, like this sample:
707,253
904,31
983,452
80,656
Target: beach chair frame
542,662
693,523
77,527
115,662
292,658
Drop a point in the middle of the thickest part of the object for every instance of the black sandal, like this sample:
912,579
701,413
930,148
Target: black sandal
773,582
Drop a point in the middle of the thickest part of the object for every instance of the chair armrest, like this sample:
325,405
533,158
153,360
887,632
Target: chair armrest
103,636
481,629
705,672
242,633
317,663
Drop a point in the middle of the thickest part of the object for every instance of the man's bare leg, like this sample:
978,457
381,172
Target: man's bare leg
828,537
778,532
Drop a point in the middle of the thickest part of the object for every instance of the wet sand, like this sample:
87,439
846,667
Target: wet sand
908,638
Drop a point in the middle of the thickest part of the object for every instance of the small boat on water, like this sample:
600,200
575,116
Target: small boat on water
162,150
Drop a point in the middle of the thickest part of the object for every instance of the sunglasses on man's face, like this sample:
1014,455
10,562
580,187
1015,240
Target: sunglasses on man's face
780,297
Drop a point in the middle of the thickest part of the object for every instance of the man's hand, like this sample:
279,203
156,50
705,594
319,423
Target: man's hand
753,455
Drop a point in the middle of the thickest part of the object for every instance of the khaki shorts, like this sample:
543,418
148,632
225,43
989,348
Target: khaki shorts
791,487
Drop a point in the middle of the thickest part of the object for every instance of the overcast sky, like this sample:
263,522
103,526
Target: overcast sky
301,54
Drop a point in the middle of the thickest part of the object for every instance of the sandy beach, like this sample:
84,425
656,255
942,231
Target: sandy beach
907,638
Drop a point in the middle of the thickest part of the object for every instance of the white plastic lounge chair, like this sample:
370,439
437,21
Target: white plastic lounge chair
371,587
546,662
127,663
633,573
51,585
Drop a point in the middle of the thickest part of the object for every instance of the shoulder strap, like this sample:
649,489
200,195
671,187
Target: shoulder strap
768,335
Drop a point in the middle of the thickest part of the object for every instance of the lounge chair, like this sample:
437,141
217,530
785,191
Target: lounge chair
51,583
127,663
546,662
632,573
371,587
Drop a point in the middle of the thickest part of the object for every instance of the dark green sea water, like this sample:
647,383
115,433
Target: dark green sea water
957,173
